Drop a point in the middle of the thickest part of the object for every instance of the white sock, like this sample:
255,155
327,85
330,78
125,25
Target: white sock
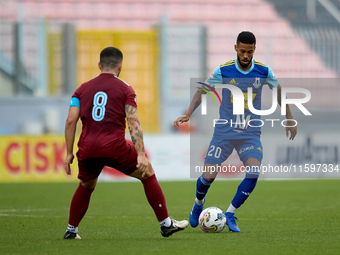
72,229
199,202
231,209
166,222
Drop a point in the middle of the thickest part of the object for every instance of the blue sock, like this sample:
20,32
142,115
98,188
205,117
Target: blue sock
246,186
202,187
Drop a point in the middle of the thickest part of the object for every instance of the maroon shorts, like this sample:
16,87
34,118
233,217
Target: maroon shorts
90,168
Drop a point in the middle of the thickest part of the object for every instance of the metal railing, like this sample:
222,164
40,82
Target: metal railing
326,43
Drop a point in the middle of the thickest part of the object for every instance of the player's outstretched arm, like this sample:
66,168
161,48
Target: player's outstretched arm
195,102
70,132
136,134
290,123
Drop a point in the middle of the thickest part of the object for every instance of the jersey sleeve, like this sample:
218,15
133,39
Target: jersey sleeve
271,79
215,77
131,98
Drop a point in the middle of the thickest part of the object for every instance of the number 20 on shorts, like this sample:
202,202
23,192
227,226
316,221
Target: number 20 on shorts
217,152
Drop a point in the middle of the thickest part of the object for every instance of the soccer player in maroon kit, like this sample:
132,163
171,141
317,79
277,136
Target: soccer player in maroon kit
103,104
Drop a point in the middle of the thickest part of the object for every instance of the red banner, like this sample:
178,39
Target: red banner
34,158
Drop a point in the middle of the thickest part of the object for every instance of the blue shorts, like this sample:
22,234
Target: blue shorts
220,149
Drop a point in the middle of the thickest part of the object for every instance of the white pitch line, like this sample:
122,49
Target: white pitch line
270,219
25,210
31,210
13,215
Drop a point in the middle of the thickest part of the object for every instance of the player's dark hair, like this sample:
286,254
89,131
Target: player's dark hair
246,37
110,57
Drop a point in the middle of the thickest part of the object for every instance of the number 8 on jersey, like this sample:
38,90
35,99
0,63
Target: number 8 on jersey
99,102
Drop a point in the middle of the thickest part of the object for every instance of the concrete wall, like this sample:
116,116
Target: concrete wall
33,115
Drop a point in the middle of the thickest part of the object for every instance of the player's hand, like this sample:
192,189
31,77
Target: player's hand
290,129
142,164
181,120
68,161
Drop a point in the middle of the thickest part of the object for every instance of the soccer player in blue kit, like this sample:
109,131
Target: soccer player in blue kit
243,72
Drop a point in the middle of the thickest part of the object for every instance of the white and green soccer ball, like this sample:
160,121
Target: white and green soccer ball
212,220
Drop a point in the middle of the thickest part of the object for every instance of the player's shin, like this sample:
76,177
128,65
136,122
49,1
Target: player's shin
243,191
156,199
79,205
202,186
245,188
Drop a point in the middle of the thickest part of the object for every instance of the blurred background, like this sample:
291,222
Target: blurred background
48,48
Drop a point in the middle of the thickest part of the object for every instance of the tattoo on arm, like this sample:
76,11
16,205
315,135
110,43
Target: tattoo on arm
130,109
132,119
140,134
135,128
133,139
197,103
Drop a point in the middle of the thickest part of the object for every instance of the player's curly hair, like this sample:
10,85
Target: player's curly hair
246,37
110,57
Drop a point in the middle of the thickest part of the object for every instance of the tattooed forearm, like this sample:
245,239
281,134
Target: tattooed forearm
133,119
139,134
130,109
135,128
197,103
137,139
138,147
133,140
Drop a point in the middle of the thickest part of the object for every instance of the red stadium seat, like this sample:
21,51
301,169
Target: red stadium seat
278,44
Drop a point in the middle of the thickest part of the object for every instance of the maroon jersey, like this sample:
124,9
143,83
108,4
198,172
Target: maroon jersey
102,112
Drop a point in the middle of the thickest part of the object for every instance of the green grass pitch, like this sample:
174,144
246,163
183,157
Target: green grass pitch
280,217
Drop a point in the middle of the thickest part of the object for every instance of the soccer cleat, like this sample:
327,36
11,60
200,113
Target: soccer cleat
194,215
174,227
231,222
71,235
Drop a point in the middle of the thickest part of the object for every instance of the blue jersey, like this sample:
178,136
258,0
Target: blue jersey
238,126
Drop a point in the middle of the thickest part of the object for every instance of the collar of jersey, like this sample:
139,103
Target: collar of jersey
242,71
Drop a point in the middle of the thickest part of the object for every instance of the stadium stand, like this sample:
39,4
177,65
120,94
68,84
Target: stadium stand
296,13
278,44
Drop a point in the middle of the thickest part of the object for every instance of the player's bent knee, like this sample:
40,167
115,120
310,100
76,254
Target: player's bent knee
143,175
210,172
150,172
209,177
90,184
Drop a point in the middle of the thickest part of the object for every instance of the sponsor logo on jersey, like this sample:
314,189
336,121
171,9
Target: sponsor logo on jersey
245,149
233,81
238,131
257,83
259,148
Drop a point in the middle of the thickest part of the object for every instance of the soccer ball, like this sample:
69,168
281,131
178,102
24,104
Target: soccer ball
212,220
